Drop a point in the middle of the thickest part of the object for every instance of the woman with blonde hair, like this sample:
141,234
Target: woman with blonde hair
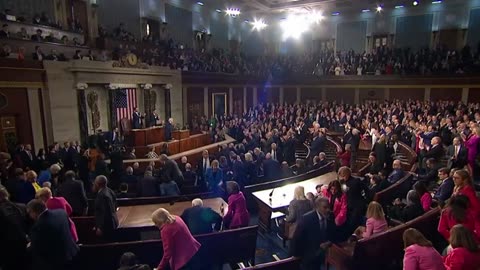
298,206
179,246
52,203
465,253
376,222
419,252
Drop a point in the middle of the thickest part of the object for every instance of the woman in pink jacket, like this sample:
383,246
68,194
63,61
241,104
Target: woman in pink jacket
179,246
45,194
338,201
471,143
420,253
237,215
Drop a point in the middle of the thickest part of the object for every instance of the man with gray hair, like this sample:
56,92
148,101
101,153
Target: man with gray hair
313,235
200,219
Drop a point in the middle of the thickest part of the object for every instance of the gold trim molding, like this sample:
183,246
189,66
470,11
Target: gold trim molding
8,84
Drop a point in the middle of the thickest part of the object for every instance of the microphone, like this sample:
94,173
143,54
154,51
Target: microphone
271,193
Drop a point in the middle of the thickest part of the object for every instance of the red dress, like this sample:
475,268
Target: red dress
469,192
447,221
339,207
237,215
462,259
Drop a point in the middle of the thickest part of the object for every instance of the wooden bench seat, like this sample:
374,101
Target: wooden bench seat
383,250
231,246
397,190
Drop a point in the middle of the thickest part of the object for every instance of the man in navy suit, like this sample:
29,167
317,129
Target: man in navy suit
397,172
136,119
52,244
271,168
445,190
318,144
314,234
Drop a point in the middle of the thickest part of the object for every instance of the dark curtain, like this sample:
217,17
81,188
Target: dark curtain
113,116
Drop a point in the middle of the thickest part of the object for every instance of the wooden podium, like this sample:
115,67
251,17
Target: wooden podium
146,136
180,134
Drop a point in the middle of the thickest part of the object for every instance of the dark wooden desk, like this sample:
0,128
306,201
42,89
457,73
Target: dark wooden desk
282,196
141,215
181,134
146,136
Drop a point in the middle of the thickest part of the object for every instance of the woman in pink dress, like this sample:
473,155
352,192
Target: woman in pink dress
45,194
237,215
471,144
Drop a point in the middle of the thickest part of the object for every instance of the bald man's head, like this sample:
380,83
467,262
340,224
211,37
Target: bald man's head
397,164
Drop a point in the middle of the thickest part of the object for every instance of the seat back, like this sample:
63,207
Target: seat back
382,250
229,246
397,190
285,264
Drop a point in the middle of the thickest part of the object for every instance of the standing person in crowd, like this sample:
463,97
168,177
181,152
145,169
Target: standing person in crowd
314,234
465,253
179,246
170,170
457,155
472,143
52,203
74,192
464,186
419,252
299,206
23,190
345,156
106,221
215,179
337,201
356,201
52,245
455,213
169,129
199,219
237,215
424,195
13,233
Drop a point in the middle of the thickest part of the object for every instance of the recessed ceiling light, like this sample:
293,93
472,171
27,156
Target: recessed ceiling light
399,6
365,10
219,10
379,8
415,3
335,13
200,3
437,2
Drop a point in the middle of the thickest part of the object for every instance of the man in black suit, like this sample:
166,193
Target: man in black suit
276,153
319,161
313,235
38,36
52,244
136,119
199,219
430,175
38,54
457,155
73,191
170,170
435,151
28,158
153,119
318,144
106,221
113,137
14,229
4,33
202,165
169,129
271,168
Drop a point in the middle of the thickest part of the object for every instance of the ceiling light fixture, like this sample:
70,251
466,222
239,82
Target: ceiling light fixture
200,3
365,10
399,6
258,25
379,8
437,2
415,3
219,10
232,12
335,13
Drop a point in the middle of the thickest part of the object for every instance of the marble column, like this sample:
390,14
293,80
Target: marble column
427,94
324,94
230,100
356,98
280,95
185,104
299,94
244,99
35,117
205,102
255,96
387,94
465,93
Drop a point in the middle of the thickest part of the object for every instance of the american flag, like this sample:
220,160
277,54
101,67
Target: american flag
124,102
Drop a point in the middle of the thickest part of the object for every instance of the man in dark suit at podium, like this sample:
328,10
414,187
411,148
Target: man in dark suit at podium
169,129
136,119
